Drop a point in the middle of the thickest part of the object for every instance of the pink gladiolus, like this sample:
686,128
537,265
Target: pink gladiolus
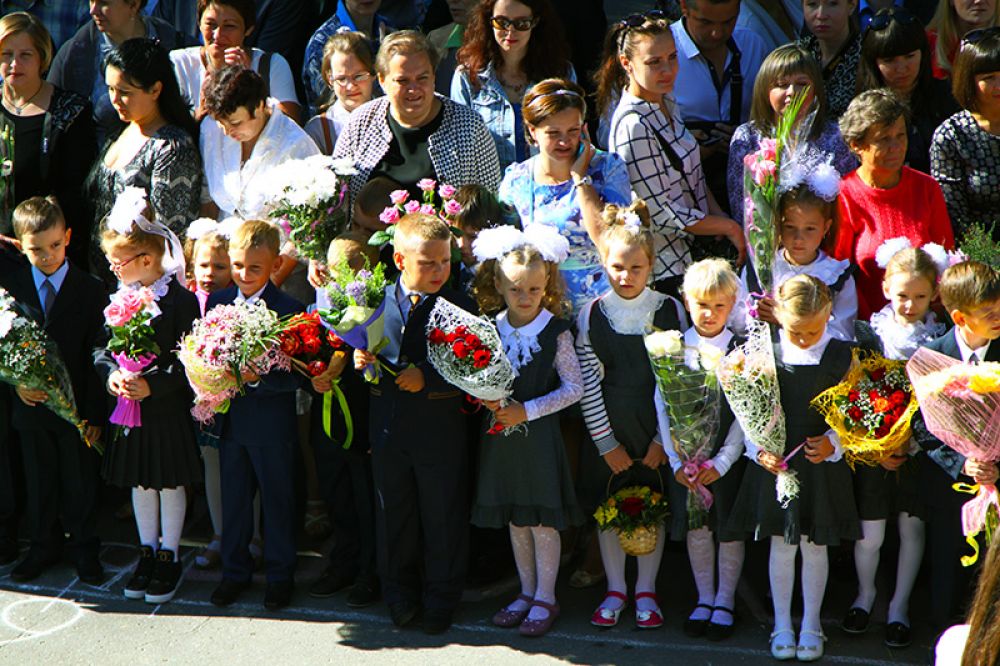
452,207
412,206
399,196
447,191
389,215
768,150
427,184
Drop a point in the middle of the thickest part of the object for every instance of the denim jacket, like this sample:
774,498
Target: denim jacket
492,105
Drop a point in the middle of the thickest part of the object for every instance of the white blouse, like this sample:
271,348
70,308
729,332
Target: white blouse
191,72
827,270
336,117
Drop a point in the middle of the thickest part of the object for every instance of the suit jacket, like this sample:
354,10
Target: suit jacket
76,325
265,414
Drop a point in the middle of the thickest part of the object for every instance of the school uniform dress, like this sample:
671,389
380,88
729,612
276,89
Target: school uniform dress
161,453
619,387
939,470
880,493
61,472
419,458
824,511
725,454
258,437
524,476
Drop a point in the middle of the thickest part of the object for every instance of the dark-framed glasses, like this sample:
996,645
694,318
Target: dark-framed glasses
503,23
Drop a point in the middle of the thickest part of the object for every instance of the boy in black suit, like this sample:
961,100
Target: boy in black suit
258,436
418,438
970,291
60,471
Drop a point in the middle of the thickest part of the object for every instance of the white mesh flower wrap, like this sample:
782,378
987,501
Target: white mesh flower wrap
496,380
129,210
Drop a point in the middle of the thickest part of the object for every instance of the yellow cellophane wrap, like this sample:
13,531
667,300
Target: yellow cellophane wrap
859,446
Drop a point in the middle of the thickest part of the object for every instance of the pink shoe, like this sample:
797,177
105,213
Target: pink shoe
607,617
651,619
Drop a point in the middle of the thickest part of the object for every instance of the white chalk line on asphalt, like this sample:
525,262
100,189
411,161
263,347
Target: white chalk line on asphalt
351,617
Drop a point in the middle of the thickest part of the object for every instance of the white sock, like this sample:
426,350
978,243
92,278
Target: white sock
701,554
524,558
866,557
647,566
614,567
213,486
911,551
548,549
731,554
781,571
173,505
146,506
815,569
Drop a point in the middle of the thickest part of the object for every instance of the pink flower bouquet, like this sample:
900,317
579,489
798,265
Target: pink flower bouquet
132,344
402,205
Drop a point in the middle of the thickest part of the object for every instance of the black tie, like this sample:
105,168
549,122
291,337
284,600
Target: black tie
974,359
49,296
414,301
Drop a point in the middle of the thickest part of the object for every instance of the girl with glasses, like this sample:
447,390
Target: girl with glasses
349,70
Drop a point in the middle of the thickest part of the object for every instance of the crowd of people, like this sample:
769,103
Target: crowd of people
601,194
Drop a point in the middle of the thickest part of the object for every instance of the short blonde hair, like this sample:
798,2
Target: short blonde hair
968,285
803,296
404,42
17,22
415,228
256,233
618,231
352,245
912,261
709,277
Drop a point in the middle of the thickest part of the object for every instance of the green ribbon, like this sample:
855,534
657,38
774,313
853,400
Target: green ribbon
328,412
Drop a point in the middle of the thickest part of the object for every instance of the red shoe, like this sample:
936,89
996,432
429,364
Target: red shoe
651,619
607,617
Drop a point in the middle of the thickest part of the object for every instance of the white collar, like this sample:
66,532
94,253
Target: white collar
824,268
159,288
249,299
792,354
632,316
966,351
692,338
901,341
521,343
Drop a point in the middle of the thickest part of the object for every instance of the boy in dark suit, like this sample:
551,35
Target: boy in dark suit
258,436
418,438
970,291
60,470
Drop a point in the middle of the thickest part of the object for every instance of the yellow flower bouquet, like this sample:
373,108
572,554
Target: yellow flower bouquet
636,513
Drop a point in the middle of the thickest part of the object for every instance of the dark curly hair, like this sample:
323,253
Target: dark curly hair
232,87
548,50
247,9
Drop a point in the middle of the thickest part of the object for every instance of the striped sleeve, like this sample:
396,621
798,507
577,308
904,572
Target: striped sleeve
595,414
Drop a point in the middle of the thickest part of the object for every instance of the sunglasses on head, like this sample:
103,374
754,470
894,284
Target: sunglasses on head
979,34
638,20
520,24
884,17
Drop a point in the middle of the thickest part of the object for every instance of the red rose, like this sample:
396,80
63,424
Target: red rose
899,398
437,337
461,331
881,431
311,344
481,358
873,395
450,338
898,411
473,341
878,374
316,368
853,395
632,506
335,340
459,349
855,414
889,420
289,345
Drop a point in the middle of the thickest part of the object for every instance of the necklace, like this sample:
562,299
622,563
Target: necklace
20,109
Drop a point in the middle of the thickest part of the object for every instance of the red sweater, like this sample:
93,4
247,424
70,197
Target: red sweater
869,216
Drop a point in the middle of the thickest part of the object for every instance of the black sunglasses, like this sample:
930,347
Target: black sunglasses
521,24
638,20
884,17
979,34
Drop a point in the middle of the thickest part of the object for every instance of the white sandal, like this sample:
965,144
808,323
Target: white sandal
809,652
783,651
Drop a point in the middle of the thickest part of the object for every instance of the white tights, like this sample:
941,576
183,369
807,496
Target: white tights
614,568
701,554
536,552
815,567
866,559
159,517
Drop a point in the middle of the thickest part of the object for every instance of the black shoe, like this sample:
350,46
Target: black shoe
278,595
331,582
136,586
697,628
436,621
228,592
363,593
89,569
9,551
31,567
166,578
856,621
403,612
897,635
720,632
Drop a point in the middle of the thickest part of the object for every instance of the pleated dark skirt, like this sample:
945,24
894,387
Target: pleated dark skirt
882,494
161,453
724,493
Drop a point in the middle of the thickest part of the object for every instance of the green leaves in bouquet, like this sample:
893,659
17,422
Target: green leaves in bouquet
384,237
135,338
979,245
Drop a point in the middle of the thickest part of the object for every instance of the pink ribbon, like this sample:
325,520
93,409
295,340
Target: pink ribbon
974,511
691,470
127,412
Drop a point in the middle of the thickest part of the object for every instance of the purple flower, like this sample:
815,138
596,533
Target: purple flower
364,275
355,291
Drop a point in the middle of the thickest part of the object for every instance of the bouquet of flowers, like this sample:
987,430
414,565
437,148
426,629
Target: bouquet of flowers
28,357
307,201
352,305
960,404
871,409
7,171
402,204
749,379
228,341
310,348
686,379
468,353
981,242
635,513
128,316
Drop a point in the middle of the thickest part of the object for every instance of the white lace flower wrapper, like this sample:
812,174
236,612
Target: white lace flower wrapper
748,378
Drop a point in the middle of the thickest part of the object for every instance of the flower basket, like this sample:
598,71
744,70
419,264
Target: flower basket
635,514
640,541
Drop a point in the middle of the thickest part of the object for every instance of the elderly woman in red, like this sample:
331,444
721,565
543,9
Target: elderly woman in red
882,198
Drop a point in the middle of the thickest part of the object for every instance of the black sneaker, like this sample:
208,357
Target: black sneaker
136,586
166,578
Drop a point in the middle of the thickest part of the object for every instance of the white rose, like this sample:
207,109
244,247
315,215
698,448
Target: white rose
710,357
664,343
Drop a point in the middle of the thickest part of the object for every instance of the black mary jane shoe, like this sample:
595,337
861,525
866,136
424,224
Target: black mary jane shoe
897,635
720,632
697,628
856,621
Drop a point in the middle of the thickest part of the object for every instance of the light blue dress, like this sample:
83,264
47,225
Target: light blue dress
558,206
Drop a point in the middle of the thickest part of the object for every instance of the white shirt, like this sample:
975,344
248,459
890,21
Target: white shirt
191,74
966,351
337,116
252,299
827,270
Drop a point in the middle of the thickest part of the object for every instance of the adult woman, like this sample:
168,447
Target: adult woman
411,133
78,66
224,26
965,150
952,20
52,129
156,151
664,164
567,184
895,54
977,642
785,73
835,42
883,198
508,46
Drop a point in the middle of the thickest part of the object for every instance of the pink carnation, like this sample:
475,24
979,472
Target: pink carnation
399,196
390,215
412,206
452,207
447,191
427,184
116,315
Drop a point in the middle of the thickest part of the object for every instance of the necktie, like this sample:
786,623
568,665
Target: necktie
414,301
48,296
974,359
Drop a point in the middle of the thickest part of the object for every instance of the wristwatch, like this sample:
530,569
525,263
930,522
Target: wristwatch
579,182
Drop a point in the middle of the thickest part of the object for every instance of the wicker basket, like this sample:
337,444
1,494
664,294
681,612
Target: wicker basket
641,541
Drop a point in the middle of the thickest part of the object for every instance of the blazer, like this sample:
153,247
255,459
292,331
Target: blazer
265,414
76,326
